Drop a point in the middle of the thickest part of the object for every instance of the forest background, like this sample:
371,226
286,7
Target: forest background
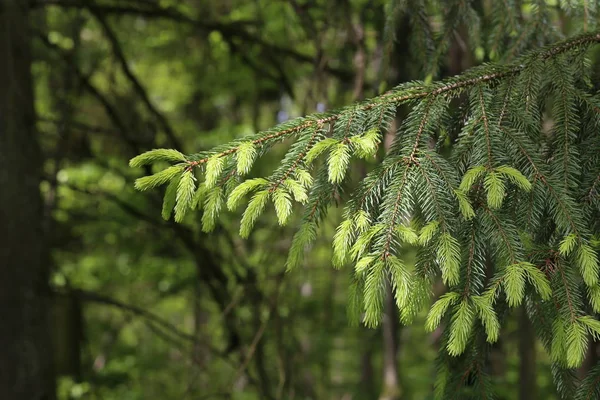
137,307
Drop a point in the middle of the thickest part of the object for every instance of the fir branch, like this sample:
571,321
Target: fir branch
486,126
376,182
414,91
299,158
504,235
420,131
567,291
592,191
263,139
431,188
392,222
470,261
497,160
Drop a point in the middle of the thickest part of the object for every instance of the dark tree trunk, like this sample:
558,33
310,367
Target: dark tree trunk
367,376
26,370
390,327
527,373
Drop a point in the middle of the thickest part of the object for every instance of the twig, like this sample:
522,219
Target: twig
118,52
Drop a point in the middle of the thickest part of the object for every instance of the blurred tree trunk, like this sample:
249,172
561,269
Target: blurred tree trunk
367,378
26,370
390,327
497,364
527,375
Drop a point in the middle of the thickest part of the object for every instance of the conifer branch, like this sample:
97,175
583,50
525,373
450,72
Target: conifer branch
486,127
369,191
392,222
592,191
434,196
408,92
420,131
299,159
517,201
567,292
470,262
544,179
563,206
503,234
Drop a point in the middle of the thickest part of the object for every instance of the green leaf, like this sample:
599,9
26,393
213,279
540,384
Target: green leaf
297,190
283,205
214,168
558,347
339,159
494,186
576,343
419,295
304,177
538,279
318,149
242,190
470,177
592,325
514,284
448,255
246,153
515,176
156,155
441,382
439,308
460,328
594,297
366,146
587,261
355,304
199,196
402,281
342,241
363,264
374,293
185,194
568,244
464,205
160,178
255,207
169,198
362,221
427,232
407,234
213,203
302,239
363,242
485,311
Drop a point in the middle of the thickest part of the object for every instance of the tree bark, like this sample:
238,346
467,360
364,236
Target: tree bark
26,370
390,327
367,378
527,373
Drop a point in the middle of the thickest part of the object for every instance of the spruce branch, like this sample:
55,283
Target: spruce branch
415,91
496,202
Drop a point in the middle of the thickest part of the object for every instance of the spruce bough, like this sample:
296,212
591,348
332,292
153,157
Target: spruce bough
506,211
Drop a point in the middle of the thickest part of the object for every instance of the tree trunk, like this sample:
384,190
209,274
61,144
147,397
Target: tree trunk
527,375
390,327
26,370
367,378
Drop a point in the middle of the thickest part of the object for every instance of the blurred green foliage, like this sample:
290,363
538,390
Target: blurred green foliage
164,311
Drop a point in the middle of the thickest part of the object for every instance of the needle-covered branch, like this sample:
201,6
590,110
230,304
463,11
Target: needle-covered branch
501,219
